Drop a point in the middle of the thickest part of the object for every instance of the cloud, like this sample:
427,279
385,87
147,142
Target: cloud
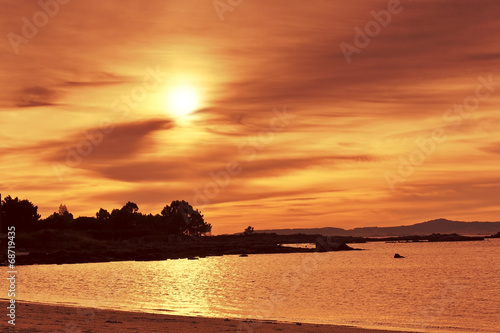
101,145
98,79
36,96
158,196
121,142
173,168
493,148
400,69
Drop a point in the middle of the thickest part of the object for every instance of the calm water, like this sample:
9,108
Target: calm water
439,287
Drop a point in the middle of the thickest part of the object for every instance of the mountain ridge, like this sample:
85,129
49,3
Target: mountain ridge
441,225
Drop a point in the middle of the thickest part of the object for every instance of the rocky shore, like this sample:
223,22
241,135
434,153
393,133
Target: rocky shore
168,247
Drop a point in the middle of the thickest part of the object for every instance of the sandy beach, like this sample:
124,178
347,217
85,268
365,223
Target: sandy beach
35,317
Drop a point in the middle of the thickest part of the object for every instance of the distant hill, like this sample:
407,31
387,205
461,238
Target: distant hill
442,226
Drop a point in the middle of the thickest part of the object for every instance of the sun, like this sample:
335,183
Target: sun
181,101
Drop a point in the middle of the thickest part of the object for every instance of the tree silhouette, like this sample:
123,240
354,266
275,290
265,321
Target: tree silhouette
177,218
126,217
60,220
19,213
130,207
63,210
180,217
102,215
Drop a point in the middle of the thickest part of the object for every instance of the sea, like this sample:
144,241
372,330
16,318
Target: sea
437,287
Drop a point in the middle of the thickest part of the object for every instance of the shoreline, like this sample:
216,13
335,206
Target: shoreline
68,258
159,252
82,248
44,317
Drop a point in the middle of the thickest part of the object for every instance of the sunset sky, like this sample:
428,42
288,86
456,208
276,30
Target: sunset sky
103,102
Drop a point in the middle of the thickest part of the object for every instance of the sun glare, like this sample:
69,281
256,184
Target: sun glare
181,101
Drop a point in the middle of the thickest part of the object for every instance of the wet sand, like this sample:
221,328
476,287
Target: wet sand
35,317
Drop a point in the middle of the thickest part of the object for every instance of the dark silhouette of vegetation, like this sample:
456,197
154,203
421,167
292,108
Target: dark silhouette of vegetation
103,215
180,218
127,234
60,220
177,218
19,213
248,231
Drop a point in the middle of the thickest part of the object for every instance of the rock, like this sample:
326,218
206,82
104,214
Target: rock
398,256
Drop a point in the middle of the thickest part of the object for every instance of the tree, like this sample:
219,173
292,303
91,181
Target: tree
180,217
19,213
63,210
102,215
130,207
173,219
60,220
56,221
248,231
85,223
126,217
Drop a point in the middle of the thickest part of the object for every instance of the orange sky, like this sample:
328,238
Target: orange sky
93,80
